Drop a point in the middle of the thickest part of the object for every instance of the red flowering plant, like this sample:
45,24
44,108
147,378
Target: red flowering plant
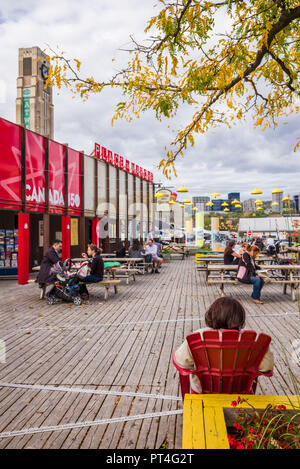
271,428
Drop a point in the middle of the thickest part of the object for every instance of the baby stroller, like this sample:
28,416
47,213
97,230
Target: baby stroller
66,284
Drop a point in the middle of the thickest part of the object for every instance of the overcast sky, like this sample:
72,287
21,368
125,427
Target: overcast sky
224,160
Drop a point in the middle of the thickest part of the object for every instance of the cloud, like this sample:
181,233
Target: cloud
224,160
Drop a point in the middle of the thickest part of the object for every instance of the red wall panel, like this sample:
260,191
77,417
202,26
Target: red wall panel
35,172
10,162
74,182
56,177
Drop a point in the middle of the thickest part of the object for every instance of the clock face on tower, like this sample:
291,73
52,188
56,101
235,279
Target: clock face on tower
44,71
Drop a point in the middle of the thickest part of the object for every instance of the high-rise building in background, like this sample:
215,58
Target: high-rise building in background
278,199
217,207
267,206
34,105
249,205
296,202
200,202
231,197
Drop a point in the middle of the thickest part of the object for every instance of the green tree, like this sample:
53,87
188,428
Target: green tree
223,74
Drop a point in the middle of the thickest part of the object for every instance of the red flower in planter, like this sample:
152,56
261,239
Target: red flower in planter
237,426
235,403
281,407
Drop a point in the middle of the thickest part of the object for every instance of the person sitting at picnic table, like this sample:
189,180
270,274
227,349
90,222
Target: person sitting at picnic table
231,257
159,247
96,269
259,243
121,251
136,250
151,248
250,275
51,259
224,313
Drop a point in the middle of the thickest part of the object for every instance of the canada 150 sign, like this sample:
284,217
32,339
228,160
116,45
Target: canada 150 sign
118,161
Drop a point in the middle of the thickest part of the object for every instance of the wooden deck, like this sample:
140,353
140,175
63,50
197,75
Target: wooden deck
120,346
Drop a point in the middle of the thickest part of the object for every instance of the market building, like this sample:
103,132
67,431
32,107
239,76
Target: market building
49,190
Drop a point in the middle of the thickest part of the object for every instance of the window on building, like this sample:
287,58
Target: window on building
122,206
151,221
145,209
138,207
102,206
89,185
27,66
131,209
112,202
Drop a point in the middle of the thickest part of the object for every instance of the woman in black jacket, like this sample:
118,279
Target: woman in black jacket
230,256
96,268
52,257
250,276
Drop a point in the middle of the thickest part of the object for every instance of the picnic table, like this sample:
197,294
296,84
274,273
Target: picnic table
121,267
281,274
220,260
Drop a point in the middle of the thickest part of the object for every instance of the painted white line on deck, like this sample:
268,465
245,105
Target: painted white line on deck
40,387
136,323
70,426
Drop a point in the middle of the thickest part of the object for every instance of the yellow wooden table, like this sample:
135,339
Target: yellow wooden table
204,424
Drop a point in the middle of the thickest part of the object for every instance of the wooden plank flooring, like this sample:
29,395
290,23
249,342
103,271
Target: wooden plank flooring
125,345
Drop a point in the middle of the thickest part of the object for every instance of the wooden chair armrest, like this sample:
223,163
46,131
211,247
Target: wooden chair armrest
268,374
182,371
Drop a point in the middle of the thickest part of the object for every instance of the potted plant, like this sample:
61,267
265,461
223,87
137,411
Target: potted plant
271,428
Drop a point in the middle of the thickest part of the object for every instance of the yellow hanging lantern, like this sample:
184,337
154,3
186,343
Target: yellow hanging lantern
256,191
182,189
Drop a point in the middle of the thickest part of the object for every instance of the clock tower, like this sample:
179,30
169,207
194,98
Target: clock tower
34,105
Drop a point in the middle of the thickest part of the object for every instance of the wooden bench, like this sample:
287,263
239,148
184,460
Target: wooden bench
123,272
289,276
107,284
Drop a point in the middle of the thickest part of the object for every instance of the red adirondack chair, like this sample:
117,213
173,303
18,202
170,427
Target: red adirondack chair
227,364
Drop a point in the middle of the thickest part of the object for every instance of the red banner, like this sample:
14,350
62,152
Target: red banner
74,182
35,172
56,177
10,162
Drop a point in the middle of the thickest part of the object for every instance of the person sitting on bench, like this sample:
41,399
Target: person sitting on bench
151,248
231,257
51,259
96,269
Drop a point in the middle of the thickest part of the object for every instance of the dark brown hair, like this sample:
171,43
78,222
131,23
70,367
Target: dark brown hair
95,248
229,246
254,248
225,313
